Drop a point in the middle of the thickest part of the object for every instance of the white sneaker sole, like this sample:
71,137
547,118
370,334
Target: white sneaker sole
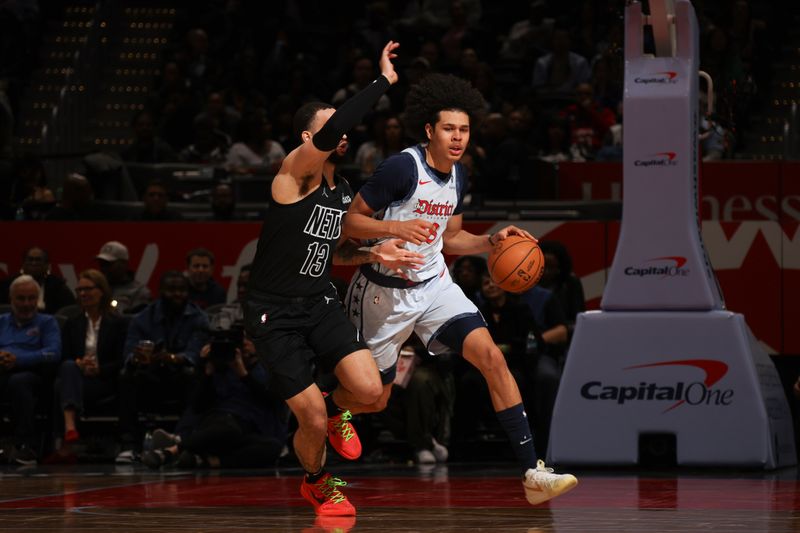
536,495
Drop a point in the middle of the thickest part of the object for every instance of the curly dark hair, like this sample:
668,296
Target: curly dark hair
440,92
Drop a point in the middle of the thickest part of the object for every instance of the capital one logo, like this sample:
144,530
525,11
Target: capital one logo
665,267
657,78
658,159
675,394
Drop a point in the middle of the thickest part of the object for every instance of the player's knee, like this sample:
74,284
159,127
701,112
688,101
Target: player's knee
313,423
491,360
373,392
380,402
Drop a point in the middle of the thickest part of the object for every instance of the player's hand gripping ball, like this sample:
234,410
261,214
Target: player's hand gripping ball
516,264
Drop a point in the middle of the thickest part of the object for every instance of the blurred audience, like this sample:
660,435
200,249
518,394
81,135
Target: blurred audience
156,204
147,147
560,71
203,288
129,295
53,291
255,151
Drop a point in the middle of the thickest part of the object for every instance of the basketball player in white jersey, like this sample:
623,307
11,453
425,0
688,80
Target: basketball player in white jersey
417,196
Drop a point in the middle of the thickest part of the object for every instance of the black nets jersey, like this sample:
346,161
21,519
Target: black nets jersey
297,241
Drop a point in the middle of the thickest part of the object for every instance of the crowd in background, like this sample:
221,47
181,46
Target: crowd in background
235,71
111,348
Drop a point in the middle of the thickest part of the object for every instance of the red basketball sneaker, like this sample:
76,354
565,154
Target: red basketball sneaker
342,436
326,497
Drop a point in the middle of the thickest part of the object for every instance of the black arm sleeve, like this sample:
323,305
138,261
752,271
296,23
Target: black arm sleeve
349,114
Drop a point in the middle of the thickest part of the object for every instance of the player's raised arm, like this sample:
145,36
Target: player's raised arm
307,158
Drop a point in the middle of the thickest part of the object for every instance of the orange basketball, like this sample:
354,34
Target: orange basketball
516,264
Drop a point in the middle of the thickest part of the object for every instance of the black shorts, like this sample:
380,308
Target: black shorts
292,333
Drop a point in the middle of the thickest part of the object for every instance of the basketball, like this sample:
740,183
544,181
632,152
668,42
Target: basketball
516,264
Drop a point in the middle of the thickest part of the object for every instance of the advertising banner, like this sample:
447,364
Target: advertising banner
757,263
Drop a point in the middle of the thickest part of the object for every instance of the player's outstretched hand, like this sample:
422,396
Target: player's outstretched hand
394,256
415,231
511,230
387,68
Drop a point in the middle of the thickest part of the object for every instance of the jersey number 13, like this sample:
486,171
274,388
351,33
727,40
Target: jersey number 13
317,257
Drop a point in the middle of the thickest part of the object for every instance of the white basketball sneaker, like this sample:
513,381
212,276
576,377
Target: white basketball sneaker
542,484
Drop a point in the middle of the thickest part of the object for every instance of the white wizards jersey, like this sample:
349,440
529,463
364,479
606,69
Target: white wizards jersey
405,187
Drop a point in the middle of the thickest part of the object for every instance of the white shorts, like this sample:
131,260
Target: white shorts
387,316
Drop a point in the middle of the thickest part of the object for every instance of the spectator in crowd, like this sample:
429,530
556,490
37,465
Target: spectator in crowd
427,398
530,37
507,158
162,353
235,421
256,151
363,74
607,81
53,291
244,279
547,346
210,146
589,122
555,147
92,345
129,295
30,197
220,115
510,322
437,15
389,139
147,147
232,313
460,31
203,288
468,270
223,203
196,61
30,348
176,104
612,143
156,204
77,202
561,279
560,71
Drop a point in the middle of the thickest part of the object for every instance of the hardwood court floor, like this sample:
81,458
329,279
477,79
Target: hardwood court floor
452,498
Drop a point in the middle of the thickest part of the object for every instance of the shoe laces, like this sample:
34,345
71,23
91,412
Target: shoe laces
329,486
545,476
343,425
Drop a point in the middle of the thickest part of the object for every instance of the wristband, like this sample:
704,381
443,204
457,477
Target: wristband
490,240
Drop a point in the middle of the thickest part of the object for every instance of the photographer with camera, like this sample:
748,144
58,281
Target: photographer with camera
233,420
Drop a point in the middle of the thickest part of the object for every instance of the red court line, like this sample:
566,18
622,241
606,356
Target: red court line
691,493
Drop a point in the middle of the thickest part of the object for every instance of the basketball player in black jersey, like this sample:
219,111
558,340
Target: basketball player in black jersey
292,311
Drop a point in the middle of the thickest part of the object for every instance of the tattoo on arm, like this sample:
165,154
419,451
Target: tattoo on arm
349,253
